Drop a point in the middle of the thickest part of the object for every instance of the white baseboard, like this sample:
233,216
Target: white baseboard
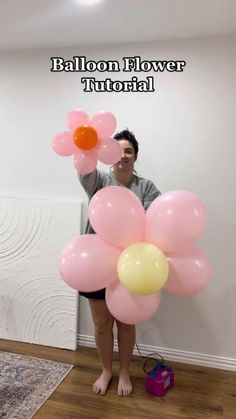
211,361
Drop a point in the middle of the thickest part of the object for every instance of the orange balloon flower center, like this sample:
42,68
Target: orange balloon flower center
85,137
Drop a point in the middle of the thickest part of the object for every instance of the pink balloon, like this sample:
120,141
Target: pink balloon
189,272
85,162
117,216
76,118
87,263
63,144
174,220
109,151
104,123
129,308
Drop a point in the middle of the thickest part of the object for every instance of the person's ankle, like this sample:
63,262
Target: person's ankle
124,371
107,370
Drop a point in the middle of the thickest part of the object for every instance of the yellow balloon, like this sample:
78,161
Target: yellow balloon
143,269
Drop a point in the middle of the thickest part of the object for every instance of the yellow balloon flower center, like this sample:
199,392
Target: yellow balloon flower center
143,269
85,137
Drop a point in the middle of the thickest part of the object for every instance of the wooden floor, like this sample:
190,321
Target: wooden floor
199,392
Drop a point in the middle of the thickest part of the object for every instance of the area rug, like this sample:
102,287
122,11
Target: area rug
26,383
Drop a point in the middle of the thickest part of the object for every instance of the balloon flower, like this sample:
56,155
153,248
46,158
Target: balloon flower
89,140
135,254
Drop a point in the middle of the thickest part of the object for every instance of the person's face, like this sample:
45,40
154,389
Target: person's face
128,157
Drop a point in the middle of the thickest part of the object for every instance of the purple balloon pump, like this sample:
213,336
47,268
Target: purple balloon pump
159,379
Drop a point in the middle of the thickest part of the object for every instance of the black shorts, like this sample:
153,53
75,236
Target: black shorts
96,295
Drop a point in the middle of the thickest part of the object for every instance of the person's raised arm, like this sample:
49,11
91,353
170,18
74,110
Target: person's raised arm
91,182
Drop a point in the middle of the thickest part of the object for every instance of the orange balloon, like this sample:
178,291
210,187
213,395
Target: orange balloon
85,137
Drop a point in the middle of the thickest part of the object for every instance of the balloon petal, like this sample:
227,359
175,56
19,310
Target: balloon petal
85,162
189,272
117,216
129,308
104,123
63,144
109,151
76,118
87,263
175,219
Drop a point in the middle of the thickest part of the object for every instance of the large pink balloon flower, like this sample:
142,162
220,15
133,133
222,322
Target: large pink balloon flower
169,228
89,140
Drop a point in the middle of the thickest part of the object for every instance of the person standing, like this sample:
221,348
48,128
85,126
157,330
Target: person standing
121,174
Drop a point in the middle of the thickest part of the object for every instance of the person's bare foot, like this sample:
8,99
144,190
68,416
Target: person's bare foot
100,386
124,385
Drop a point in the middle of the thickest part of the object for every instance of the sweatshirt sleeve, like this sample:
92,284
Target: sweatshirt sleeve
151,193
91,182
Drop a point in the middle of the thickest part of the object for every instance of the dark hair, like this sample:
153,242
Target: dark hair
129,136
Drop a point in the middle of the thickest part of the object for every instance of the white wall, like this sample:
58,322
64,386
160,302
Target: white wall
186,131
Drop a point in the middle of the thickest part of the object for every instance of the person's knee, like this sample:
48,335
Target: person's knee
103,326
102,318
125,328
